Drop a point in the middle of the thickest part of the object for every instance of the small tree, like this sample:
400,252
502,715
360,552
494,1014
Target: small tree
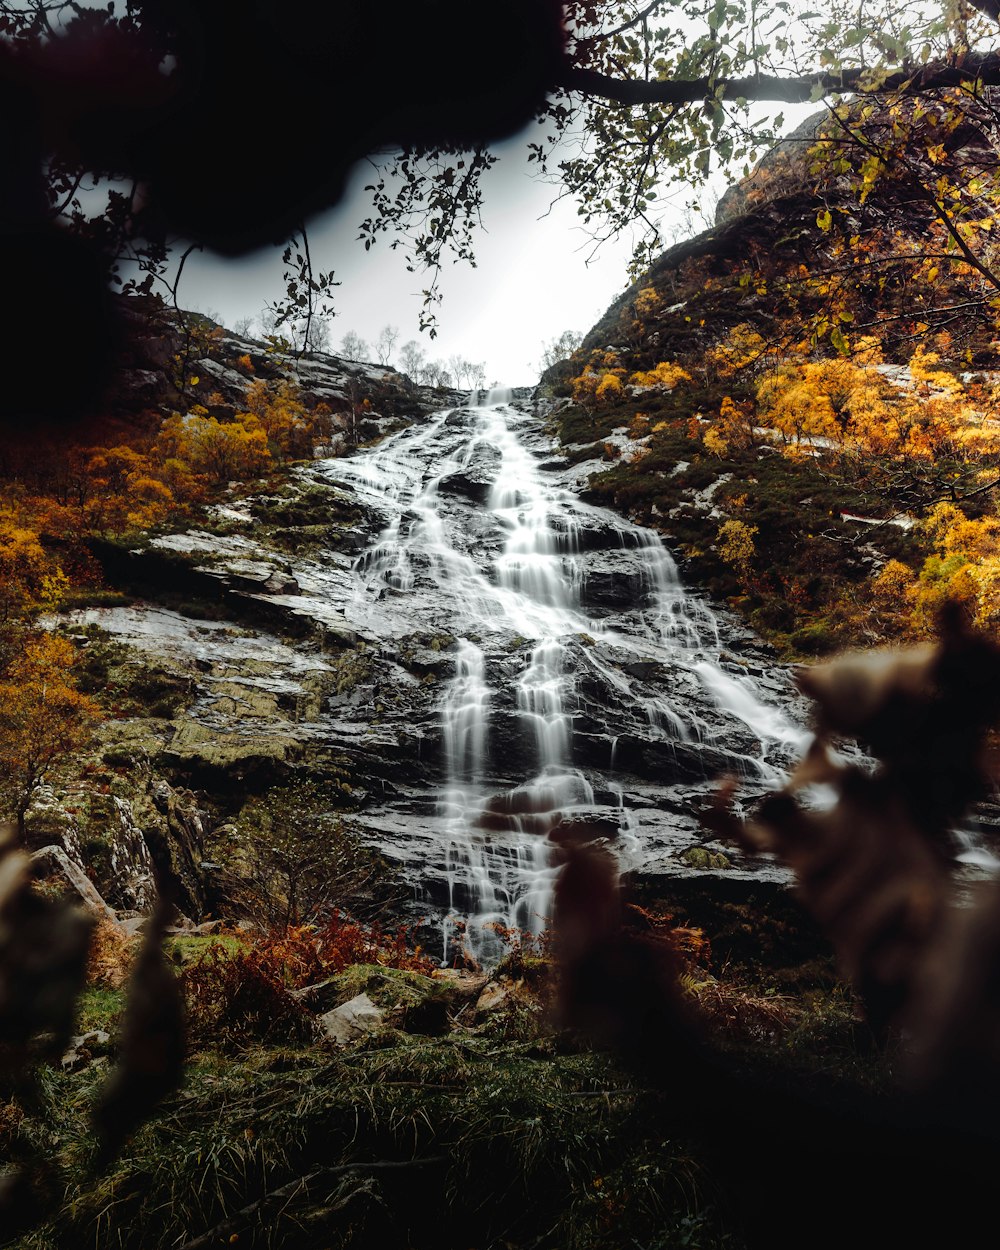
384,344
43,719
412,357
297,860
560,348
736,546
245,327
313,334
354,347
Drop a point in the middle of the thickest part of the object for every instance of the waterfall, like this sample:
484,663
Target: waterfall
556,617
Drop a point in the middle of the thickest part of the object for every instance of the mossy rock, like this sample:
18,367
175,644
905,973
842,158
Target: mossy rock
386,987
703,859
183,948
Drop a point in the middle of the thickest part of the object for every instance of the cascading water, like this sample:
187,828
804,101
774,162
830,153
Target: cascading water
554,613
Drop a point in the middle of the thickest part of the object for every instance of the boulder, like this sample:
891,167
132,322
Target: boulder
476,477
83,1049
352,1020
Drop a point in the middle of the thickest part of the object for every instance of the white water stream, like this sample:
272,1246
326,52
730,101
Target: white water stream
508,563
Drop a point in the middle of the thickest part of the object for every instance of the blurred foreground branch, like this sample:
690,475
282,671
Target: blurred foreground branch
809,1161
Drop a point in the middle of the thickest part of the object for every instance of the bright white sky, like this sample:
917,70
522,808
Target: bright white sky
532,282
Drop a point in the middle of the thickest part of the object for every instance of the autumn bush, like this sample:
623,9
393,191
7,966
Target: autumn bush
240,997
43,718
111,954
236,999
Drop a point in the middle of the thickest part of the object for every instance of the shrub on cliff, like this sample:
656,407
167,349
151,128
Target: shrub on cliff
295,859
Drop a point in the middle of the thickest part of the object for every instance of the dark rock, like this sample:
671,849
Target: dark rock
429,1017
577,828
176,842
256,578
426,660
616,581
84,1048
320,997
475,479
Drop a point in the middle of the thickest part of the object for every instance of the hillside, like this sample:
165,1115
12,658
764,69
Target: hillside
233,728
345,669
803,399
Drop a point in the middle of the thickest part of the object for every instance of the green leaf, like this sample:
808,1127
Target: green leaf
839,342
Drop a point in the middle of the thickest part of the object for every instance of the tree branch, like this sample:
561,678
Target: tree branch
991,8
629,25
984,67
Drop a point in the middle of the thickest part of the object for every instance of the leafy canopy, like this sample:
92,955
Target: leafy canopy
645,96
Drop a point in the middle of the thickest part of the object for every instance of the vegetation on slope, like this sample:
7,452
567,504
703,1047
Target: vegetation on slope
466,1089
804,401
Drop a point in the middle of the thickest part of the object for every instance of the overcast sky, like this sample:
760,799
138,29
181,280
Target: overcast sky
532,282
536,275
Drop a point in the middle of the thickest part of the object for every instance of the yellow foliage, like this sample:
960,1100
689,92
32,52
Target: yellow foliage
647,301
43,717
584,388
922,370
609,388
128,494
867,350
952,532
30,580
743,347
791,403
736,544
733,428
665,375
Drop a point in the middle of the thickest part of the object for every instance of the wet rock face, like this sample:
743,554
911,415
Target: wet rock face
499,671
475,479
614,580
175,837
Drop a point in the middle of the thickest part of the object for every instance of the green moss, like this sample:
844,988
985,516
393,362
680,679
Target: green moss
351,668
93,598
386,987
702,858
816,638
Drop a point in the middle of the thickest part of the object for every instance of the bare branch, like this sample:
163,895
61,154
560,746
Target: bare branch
982,66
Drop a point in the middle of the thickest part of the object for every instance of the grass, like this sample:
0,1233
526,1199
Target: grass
99,1008
183,949
409,1142
502,1133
